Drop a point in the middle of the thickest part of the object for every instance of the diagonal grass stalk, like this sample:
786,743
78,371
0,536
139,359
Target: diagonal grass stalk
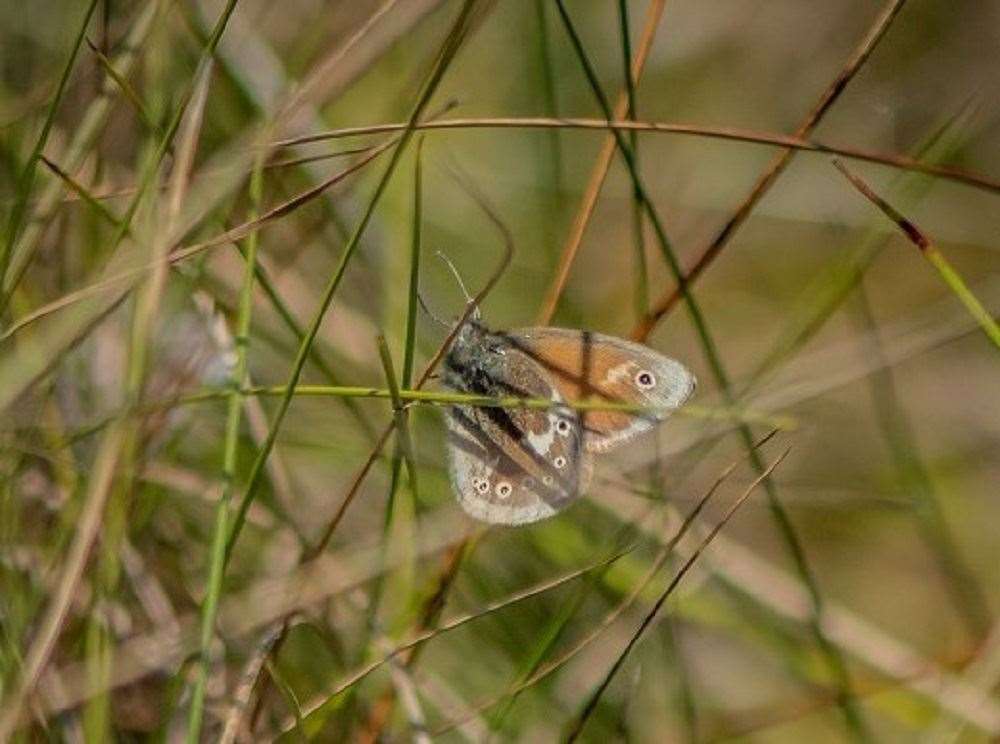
448,51
641,294
152,166
883,21
27,180
834,660
576,728
933,255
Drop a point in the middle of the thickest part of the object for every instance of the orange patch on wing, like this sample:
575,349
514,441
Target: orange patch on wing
587,371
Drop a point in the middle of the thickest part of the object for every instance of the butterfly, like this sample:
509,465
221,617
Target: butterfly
520,465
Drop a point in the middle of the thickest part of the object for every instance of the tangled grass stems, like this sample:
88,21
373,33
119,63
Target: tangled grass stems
614,555
448,51
26,181
576,727
852,718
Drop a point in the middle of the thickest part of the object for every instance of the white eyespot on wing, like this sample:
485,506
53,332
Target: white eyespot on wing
480,490
644,379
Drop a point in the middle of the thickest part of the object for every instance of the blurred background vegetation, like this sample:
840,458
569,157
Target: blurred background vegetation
852,598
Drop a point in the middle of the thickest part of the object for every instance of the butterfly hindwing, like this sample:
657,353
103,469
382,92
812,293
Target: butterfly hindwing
516,465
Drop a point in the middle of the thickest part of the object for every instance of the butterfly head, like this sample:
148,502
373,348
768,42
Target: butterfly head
477,359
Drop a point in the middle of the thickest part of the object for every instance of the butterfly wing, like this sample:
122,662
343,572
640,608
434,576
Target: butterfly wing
516,466
585,365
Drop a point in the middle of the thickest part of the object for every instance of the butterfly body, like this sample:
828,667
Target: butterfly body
520,465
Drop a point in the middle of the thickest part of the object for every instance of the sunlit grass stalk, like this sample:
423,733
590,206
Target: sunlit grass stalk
551,160
125,86
576,728
835,661
85,135
933,255
230,449
152,164
449,49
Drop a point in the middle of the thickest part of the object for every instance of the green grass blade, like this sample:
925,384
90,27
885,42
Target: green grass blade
448,52
576,727
27,180
234,410
125,86
835,661
410,342
933,255
638,233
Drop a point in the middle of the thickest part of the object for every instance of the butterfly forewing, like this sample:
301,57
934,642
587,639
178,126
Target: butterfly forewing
515,465
584,365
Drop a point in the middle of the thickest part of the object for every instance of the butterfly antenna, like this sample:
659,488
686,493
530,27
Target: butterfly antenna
458,278
431,314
